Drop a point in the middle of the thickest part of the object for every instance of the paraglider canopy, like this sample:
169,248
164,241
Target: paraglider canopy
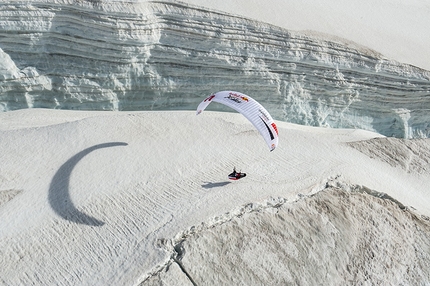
249,108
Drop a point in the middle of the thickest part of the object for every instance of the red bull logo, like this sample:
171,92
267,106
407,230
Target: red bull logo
237,97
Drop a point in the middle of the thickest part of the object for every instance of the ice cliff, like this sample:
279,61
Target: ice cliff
156,55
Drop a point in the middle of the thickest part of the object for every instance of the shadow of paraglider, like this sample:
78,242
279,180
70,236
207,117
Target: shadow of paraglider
215,185
59,196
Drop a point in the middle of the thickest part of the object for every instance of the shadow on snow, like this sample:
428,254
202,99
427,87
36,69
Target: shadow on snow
215,185
59,196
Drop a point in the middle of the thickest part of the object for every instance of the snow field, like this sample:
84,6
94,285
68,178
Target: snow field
156,187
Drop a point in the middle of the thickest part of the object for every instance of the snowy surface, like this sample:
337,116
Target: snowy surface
142,197
109,197
397,29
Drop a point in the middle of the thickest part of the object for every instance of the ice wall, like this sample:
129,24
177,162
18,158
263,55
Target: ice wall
155,55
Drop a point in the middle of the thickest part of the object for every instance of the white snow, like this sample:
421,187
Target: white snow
397,29
123,199
142,198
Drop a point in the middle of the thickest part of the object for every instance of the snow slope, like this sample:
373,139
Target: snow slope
142,197
116,198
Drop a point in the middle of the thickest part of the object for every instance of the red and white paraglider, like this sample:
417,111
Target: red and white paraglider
253,111
249,108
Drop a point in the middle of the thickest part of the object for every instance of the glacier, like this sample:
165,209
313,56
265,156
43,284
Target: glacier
168,55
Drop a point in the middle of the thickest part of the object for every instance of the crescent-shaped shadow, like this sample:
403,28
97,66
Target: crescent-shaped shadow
59,196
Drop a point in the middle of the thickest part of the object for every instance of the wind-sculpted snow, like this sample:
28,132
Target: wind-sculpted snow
341,235
159,55
411,155
78,207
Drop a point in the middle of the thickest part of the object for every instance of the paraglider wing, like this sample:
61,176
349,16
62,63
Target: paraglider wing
249,108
